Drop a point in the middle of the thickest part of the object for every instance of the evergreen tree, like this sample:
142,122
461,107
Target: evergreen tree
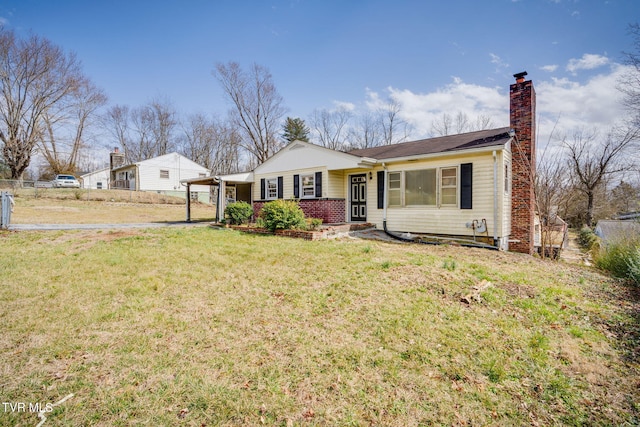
295,129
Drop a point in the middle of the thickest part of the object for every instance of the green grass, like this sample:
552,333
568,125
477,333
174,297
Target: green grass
214,327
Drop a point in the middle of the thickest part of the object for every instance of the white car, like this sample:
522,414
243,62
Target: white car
66,181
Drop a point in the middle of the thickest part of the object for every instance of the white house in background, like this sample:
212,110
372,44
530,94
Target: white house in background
160,174
97,180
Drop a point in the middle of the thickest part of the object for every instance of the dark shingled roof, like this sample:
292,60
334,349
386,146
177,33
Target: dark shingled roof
463,141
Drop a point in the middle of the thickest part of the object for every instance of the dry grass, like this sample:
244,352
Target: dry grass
214,327
68,206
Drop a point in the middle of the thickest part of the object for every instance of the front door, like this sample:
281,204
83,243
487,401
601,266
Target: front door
359,197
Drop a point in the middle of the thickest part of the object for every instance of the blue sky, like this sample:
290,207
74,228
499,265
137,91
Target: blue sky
430,56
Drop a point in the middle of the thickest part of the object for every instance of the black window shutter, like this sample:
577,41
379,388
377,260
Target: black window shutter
280,185
296,186
263,189
466,186
318,184
380,189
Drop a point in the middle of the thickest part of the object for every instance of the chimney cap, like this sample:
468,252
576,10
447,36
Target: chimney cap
520,76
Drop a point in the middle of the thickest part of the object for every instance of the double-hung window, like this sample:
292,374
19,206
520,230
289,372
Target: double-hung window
308,184
272,188
395,189
449,186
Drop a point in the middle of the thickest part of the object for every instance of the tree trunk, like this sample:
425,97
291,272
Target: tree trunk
589,218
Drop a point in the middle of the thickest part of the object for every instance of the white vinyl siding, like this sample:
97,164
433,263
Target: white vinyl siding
445,219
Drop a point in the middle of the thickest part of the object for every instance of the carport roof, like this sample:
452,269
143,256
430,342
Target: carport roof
203,180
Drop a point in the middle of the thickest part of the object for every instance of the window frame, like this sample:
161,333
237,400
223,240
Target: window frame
434,183
399,190
309,186
396,197
268,189
455,186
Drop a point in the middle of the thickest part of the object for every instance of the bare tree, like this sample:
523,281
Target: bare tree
257,107
164,122
35,75
117,121
394,129
551,189
211,143
330,127
630,83
591,162
460,123
66,126
142,145
366,132
143,132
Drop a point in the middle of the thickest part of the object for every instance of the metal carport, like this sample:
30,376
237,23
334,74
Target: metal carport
207,180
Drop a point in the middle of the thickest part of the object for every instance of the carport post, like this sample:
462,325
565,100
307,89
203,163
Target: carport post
188,202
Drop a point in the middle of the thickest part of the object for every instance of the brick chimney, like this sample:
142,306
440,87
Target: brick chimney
522,102
116,159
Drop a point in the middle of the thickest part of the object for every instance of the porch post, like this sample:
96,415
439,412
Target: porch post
188,202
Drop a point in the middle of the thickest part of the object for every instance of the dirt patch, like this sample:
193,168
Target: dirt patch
520,291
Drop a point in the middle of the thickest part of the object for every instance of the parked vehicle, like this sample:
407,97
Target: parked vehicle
66,181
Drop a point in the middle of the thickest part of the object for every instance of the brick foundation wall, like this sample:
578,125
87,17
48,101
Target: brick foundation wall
522,119
331,211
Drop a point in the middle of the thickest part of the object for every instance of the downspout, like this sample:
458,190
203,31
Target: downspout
495,198
384,197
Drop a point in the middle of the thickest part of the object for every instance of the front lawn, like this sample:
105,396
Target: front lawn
204,327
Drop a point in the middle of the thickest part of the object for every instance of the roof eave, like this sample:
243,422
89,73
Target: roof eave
486,149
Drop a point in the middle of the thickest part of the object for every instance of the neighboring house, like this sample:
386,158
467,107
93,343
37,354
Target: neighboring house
160,174
472,185
616,231
98,180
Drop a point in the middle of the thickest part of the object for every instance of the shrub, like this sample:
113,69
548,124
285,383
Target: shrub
587,238
313,223
282,215
622,259
633,263
238,212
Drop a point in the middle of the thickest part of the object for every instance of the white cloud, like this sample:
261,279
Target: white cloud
344,106
588,61
593,104
421,110
499,63
563,105
549,68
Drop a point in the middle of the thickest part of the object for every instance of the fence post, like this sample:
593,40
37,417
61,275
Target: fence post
6,203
